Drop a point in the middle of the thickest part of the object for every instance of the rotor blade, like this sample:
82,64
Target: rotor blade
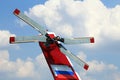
30,21
78,40
26,39
75,58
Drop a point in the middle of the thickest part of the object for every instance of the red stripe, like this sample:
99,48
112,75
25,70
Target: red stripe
66,77
92,40
16,12
12,39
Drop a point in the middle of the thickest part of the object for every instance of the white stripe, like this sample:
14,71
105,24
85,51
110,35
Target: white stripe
61,68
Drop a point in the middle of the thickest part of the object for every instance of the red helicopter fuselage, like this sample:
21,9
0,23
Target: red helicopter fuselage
58,63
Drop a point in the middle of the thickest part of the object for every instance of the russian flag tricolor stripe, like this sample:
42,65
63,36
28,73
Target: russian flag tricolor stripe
62,70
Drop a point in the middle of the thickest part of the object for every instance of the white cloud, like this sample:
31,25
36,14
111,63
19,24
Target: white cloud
35,69
96,66
4,55
97,70
18,68
100,66
76,18
4,38
25,69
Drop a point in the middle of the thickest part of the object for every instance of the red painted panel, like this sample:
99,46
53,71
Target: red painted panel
16,11
54,56
66,77
86,66
92,40
12,40
54,53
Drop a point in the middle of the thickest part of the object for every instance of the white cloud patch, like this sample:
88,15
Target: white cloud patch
24,68
4,55
99,66
97,70
78,18
96,66
4,38
17,68
29,69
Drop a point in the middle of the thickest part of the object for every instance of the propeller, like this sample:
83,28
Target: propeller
49,40
43,31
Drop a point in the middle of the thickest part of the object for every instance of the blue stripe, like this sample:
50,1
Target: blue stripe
64,72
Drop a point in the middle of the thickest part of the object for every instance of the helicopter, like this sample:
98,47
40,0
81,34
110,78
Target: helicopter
56,55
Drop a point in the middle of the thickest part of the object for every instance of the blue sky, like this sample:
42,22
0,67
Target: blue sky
104,53
111,3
